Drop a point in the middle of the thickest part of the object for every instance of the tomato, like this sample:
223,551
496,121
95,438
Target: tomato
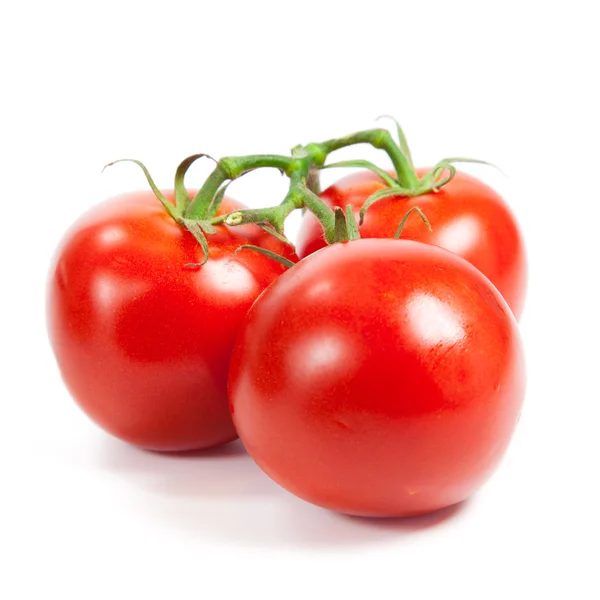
143,339
378,378
466,216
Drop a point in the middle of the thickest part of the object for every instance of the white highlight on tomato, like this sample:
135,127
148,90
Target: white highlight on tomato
235,279
459,236
322,354
112,236
433,321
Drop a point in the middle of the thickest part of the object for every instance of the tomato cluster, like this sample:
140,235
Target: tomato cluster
375,376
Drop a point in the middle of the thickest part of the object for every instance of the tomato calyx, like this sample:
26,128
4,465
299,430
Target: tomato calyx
432,182
199,225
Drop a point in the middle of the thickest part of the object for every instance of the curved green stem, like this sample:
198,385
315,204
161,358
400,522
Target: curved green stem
227,169
302,168
299,196
182,200
274,215
381,139
235,166
323,213
401,139
313,181
199,206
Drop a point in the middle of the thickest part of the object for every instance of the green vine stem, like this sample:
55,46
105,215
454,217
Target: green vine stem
302,168
228,169
378,138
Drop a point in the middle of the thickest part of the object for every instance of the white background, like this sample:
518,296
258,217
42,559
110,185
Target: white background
83,83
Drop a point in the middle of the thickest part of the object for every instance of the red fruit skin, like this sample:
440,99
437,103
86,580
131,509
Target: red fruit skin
143,342
378,378
467,217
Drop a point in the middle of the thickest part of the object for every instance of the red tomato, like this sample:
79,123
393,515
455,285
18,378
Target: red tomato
143,341
378,378
466,216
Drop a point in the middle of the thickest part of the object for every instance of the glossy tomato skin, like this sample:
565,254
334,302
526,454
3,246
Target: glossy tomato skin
467,217
378,378
143,341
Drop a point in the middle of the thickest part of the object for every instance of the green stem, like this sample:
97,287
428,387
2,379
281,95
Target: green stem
306,198
305,160
313,181
202,200
275,215
298,196
378,138
302,167
227,169
235,166
323,213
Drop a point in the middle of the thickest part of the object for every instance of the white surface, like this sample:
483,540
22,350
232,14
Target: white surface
84,516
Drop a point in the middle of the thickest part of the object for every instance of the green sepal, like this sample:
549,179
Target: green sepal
380,195
405,218
182,198
351,226
206,227
172,210
341,226
196,230
438,184
215,203
401,139
428,182
389,180
280,259
272,231
472,160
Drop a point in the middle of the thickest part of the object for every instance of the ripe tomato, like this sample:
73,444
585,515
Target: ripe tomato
143,341
466,216
378,378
